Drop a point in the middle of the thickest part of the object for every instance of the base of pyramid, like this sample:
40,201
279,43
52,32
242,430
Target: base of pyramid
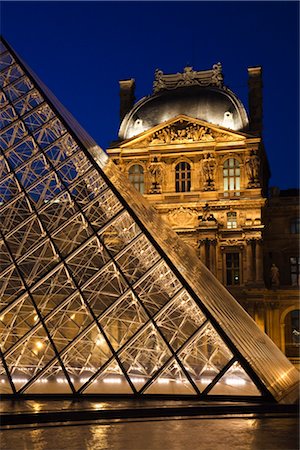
47,411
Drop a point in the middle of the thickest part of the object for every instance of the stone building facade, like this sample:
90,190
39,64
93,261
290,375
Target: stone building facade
193,151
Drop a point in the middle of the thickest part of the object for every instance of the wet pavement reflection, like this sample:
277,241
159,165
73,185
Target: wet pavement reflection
243,433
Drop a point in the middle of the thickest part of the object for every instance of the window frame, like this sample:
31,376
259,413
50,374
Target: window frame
231,177
137,179
183,177
233,220
295,225
233,268
295,274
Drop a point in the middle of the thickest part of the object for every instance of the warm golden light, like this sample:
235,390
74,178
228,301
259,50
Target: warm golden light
100,340
39,345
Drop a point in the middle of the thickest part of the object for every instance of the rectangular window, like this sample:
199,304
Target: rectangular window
295,270
295,226
183,177
231,220
232,269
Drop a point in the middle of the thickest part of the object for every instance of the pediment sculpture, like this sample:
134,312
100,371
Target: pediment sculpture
184,132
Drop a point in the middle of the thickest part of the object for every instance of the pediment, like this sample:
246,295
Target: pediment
183,130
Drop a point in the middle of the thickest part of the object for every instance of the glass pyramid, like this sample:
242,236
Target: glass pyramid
98,296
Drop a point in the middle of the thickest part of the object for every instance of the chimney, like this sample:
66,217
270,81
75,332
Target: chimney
255,99
127,98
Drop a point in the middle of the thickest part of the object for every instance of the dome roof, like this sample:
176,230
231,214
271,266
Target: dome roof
218,106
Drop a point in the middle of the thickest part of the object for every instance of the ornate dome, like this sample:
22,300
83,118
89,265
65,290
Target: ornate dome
215,104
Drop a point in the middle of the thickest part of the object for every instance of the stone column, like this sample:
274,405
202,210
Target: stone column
282,337
274,323
219,263
259,315
212,256
259,263
249,262
202,250
207,253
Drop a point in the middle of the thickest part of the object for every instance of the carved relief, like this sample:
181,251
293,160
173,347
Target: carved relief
182,217
186,132
209,171
181,132
121,164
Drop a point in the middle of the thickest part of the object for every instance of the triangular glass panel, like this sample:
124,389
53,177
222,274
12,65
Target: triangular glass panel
16,321
51,381
111,283
158,287
145,354
112,379
25,237
21,152
68,320
4,168
14,213
87,353
29,358
171,381
106,287
235,382
38,262
11,286
9,188
124,319
204,356
53,290
6,260
85,263
180,320
5,386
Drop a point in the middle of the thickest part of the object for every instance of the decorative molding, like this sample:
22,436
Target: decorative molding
189,77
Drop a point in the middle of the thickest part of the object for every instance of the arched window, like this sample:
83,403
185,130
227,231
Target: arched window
231,177
136,176
183,177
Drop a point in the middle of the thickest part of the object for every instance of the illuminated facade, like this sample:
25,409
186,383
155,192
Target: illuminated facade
98,296
191,150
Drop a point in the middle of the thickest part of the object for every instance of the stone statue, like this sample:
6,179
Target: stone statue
156,172
159,82
206,214
209,169
275,275
252,168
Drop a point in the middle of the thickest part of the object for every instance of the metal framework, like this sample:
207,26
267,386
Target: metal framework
93,299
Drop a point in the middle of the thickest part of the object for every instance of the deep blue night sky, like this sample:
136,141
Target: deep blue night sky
81,50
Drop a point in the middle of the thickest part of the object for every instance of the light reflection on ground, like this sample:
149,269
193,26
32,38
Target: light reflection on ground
163,434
